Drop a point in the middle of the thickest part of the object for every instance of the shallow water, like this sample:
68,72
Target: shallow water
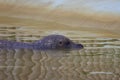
99,60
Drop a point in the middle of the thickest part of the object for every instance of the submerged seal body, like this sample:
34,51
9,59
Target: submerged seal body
47,43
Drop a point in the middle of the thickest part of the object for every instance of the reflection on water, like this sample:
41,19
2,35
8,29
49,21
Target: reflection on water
99,60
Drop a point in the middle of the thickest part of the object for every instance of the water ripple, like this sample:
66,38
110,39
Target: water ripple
99,60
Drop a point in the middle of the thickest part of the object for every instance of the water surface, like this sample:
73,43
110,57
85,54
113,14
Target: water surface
99,60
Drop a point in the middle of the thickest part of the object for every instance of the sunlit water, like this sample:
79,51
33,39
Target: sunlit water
99,60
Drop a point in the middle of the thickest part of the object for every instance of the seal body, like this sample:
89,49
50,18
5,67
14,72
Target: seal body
47,43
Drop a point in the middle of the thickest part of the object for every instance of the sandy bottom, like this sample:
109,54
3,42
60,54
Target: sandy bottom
58,27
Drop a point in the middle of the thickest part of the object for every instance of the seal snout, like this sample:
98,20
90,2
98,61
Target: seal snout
80,46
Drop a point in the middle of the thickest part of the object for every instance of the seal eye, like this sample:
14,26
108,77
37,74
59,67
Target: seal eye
60,43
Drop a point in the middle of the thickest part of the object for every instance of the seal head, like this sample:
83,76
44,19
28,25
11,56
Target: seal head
58,42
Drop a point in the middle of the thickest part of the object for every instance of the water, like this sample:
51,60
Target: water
99,60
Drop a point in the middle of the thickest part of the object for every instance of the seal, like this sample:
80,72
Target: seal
50,42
